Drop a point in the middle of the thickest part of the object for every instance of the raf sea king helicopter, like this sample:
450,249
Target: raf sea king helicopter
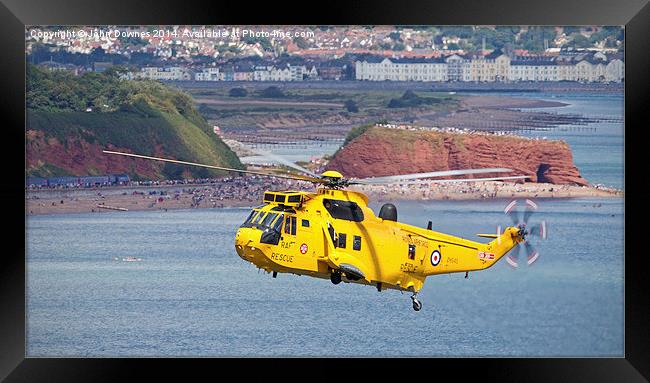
333,234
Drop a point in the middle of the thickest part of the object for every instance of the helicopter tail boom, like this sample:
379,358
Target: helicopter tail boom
501,245
471,256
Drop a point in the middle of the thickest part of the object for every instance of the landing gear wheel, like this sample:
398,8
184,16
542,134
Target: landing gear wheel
417,305
335,277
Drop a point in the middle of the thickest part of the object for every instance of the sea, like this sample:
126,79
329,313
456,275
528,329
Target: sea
598,147
191,295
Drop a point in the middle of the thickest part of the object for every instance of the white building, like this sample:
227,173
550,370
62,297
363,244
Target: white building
285,73
458,68
615,71
298,73
402,70
165,74
534,70
208,74
261,73
495,67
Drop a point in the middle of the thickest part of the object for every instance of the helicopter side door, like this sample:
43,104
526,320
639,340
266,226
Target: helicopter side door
296,243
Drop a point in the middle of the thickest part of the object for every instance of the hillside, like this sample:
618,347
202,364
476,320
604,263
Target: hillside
375,151
71,119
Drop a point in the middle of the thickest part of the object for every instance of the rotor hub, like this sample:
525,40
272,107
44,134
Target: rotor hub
523,232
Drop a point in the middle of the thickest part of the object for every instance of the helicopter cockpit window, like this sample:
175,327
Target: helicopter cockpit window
268,219
345,210
250,217
277,226
271,228
258,218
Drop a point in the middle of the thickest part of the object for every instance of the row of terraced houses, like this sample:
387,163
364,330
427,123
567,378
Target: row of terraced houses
229,73
495,67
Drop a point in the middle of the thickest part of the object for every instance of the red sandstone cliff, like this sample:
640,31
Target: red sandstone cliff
79,157
383,151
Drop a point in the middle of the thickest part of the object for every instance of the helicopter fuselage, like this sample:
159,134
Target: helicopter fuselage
334,232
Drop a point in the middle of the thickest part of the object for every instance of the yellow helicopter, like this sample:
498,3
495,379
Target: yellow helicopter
333,234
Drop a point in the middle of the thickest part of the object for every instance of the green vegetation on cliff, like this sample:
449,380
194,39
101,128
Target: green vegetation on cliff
146,117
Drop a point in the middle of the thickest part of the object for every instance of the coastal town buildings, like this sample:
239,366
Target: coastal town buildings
478,68
208,74
495,67
163,74
405,69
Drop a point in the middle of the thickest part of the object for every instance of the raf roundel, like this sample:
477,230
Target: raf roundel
435,258
303,248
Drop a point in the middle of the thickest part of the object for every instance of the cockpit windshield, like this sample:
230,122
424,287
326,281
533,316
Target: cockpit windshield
261,220
268,219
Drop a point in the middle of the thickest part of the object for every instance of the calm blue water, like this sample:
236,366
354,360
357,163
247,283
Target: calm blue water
193,296
304,151
598,148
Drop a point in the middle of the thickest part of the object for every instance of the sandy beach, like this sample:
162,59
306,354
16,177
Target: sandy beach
238,194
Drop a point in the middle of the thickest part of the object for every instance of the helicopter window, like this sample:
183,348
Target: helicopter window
250,216
342,240
258,218
272,236
411,251
268,219
356,243
290,225
277,226
287,225
305,223
346,210
332,233
252,219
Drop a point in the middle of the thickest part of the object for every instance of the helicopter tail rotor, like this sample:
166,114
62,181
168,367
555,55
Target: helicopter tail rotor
528,234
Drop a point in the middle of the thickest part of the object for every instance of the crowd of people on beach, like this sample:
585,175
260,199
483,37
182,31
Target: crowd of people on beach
499,133
250,189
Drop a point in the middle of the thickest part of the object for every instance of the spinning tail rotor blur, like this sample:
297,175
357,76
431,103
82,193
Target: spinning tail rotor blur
529,232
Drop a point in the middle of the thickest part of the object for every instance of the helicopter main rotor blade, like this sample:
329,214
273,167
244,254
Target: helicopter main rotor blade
426,182
290,176
282,160
443,173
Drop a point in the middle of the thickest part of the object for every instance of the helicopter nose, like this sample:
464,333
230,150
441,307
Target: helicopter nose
242,238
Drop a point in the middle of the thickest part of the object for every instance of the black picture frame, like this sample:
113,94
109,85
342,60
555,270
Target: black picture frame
16,14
